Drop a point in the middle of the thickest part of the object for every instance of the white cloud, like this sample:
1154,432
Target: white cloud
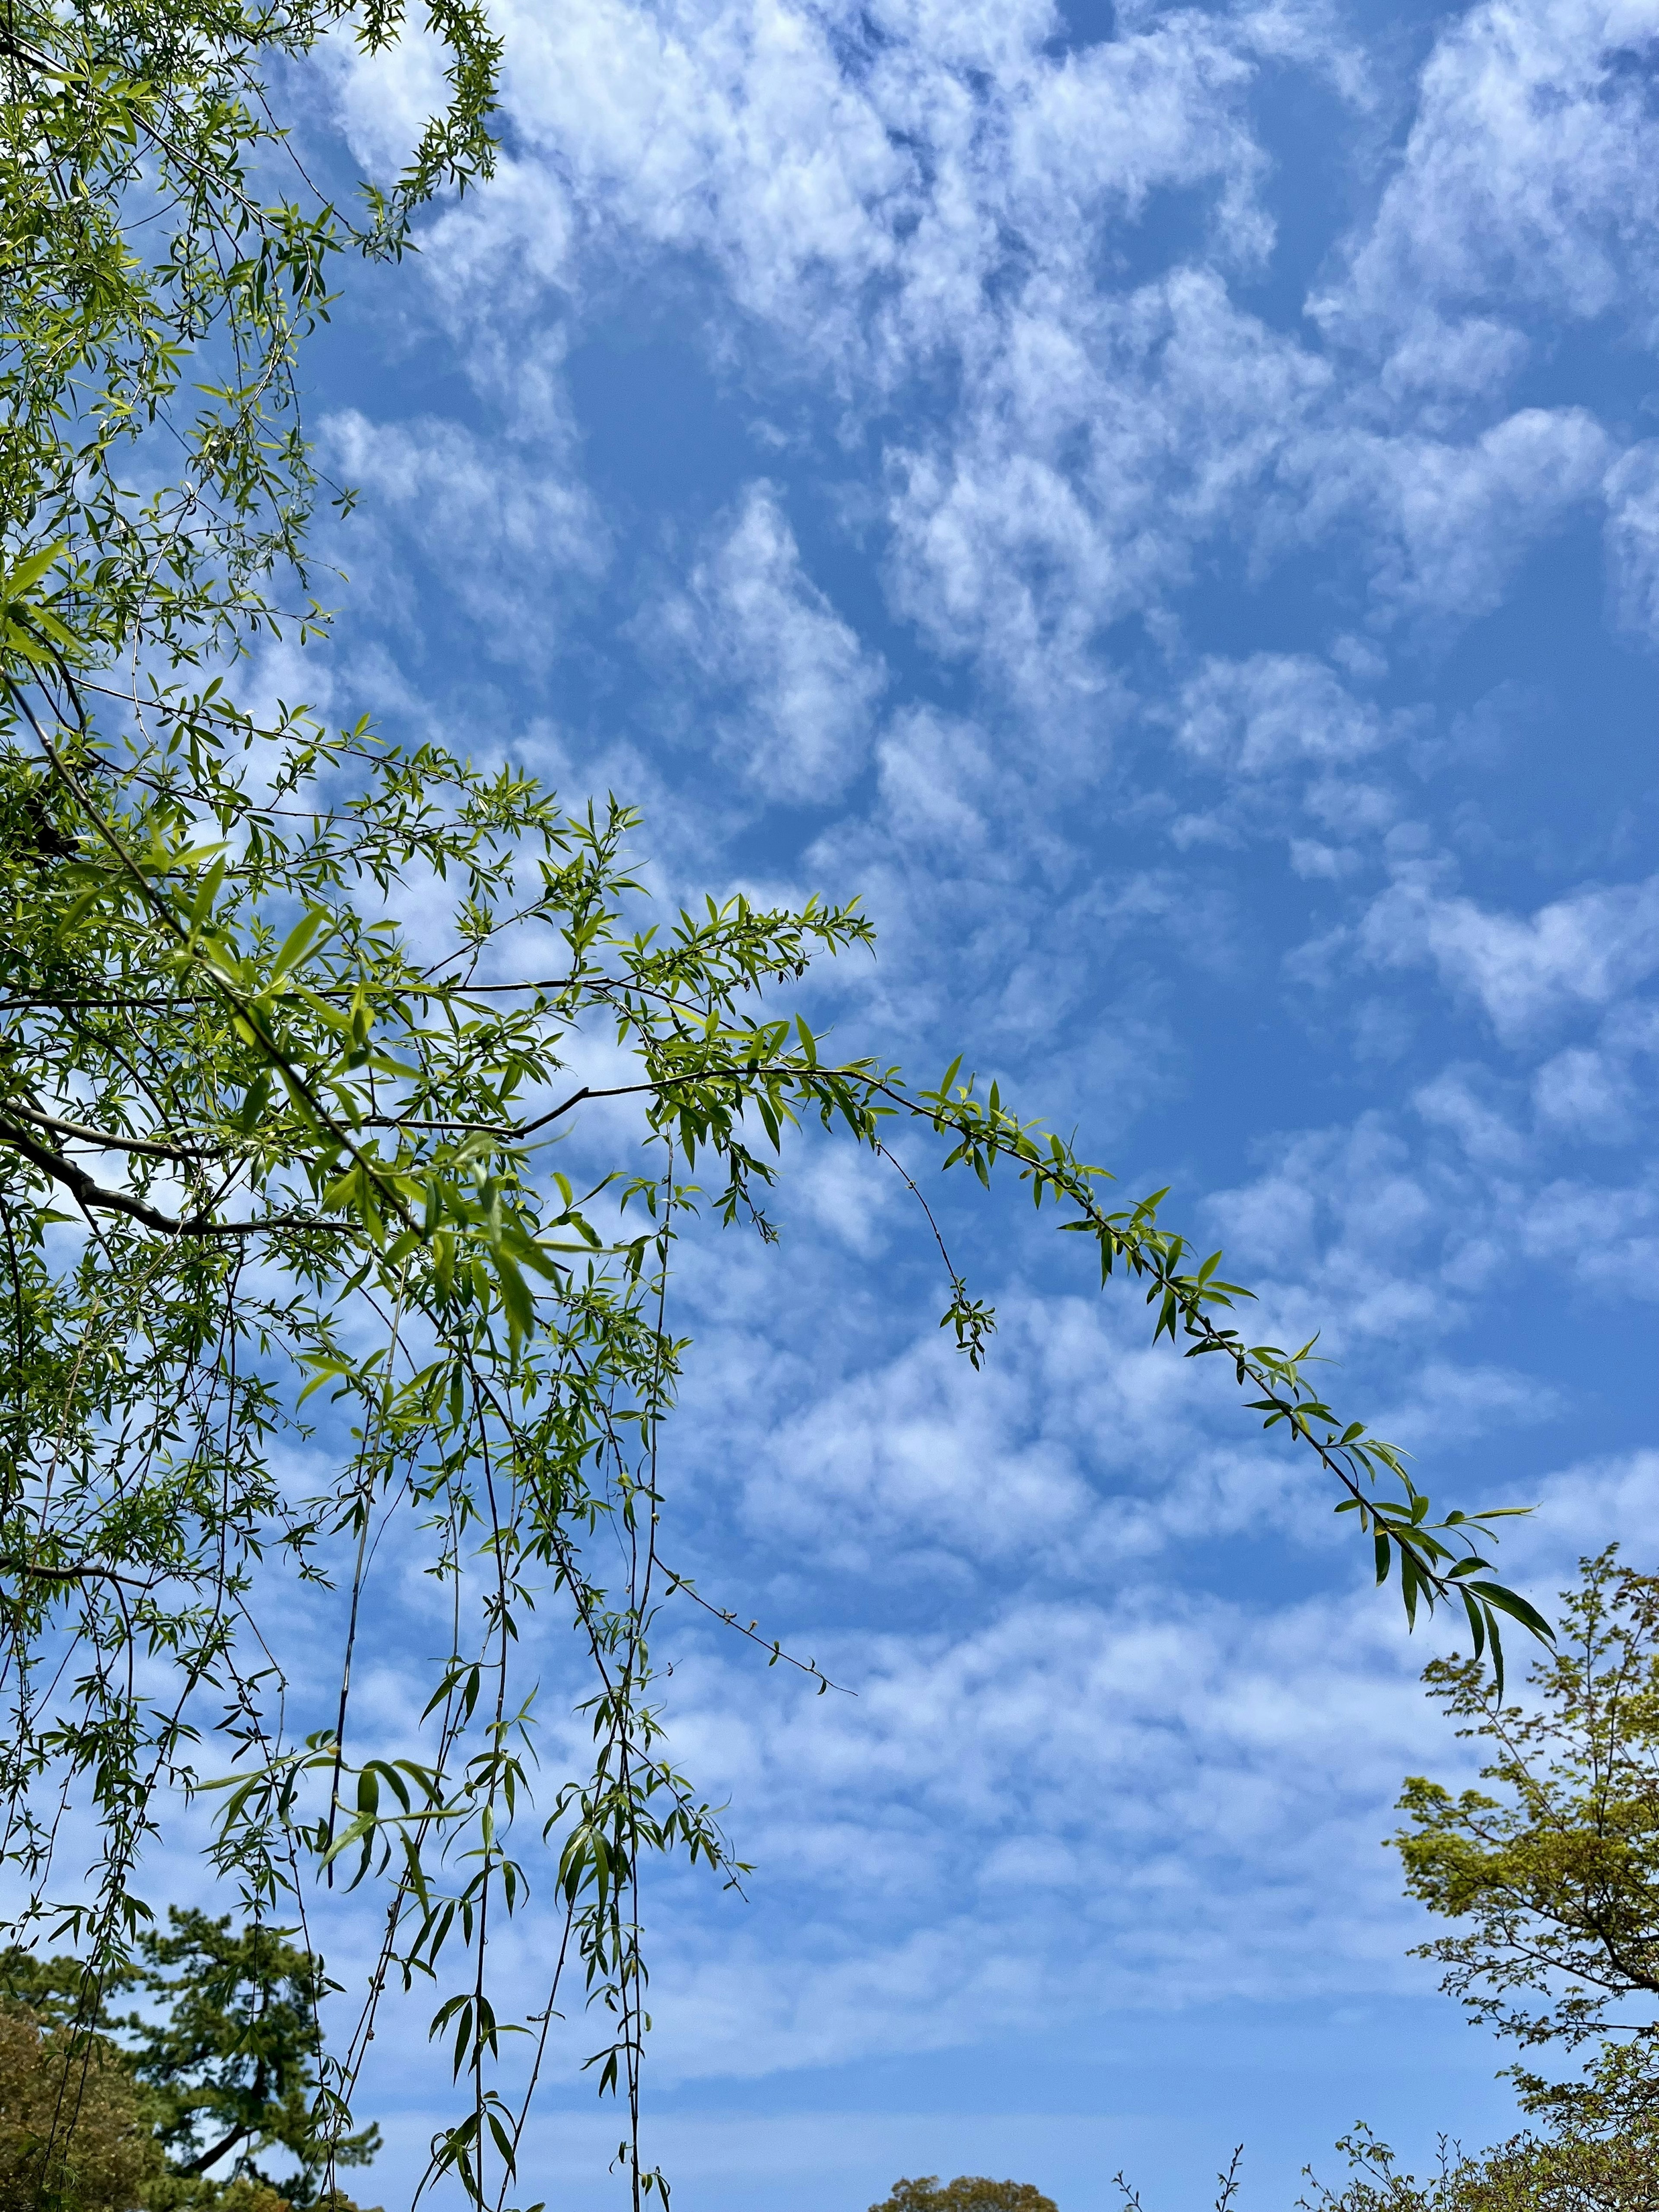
1585,1506
1315,861
1530,177
1447,522
844,1193
751,620
1605,1236
1079,1446
1162,1799
1459,1099
1346,1232
1586,1092
1272,710
1083,1453
1584,949
1632,540
1106,438
509,542
1068,1807
858,183
927,209
1450,1401
940,785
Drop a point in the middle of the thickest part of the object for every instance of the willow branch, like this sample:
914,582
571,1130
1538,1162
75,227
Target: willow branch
78,1132
97,1198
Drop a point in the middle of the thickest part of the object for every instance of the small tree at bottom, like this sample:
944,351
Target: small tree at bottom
968,2193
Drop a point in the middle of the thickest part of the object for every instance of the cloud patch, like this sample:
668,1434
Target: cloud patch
792,690
1581,950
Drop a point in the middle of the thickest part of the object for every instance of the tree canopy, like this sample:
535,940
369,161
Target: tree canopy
1552,1874
1560,2171
1547,1875
72,2133
171,2106
295,1020
968,2193
232,2058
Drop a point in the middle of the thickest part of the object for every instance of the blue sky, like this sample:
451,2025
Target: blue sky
1164,503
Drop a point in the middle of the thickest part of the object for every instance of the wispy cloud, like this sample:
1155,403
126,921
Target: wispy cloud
1583,950
1227,733
791,690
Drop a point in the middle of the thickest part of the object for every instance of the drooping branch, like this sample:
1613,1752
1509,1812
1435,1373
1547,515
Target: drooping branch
30,1572
97,1198
105,1140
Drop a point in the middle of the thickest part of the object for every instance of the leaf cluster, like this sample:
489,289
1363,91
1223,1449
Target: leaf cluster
968,2193
147,2107
1557,2171
1550,1870
164,257
73,2135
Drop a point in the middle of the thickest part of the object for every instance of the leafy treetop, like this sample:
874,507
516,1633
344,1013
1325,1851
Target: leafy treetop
1551,1869
968,2193
1558,2171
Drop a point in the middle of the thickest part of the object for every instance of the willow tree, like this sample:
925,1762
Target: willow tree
264,1154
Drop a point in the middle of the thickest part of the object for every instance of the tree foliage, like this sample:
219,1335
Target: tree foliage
968,2193
221,2064
1551,1873
1565,2171
232,2059
295,1022
73,2137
